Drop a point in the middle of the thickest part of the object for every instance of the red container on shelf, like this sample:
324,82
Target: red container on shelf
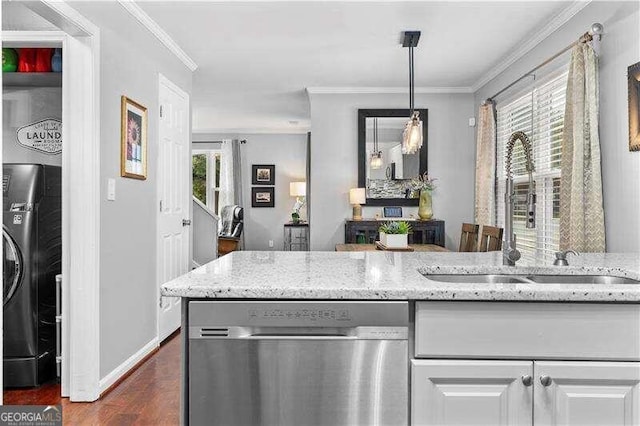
43,59
27,59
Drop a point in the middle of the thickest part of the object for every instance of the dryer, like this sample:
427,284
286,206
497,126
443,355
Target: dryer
32,241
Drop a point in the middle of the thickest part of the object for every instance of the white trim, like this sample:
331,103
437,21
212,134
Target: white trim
108,380
158,32
250,131
385,90
530,42
80,41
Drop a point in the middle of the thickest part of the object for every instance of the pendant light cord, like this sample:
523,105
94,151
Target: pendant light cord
411,88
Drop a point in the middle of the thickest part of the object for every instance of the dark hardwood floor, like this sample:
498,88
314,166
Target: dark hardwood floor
149,396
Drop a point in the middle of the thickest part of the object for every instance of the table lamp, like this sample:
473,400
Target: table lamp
357,197
298,190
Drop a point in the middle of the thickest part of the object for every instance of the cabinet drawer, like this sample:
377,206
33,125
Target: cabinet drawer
491,330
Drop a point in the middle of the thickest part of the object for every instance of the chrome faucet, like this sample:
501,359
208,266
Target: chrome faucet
561,257
510,253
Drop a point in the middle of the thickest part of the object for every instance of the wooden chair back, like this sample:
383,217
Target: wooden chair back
490,238
469,237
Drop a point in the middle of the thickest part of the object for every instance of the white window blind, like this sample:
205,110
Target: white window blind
539,113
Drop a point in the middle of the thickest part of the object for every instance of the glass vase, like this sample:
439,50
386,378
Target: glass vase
425,211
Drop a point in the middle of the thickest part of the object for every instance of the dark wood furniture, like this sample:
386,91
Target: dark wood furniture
372,247
469,237
227,245
296,236
366,231
490,238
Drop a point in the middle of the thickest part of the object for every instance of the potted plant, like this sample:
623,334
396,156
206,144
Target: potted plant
394,234
425,184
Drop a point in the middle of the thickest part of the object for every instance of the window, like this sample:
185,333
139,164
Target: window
206,178
540,114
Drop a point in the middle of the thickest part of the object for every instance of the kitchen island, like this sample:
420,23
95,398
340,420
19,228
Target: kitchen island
473,349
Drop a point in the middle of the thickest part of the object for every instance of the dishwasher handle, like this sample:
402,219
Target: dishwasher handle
299,333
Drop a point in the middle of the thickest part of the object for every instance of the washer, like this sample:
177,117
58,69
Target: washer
32,240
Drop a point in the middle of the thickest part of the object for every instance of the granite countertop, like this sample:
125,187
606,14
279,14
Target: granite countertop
398,276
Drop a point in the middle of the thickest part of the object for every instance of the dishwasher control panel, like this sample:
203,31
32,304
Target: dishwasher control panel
295,315
298,313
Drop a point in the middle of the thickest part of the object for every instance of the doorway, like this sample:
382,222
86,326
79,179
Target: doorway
79,40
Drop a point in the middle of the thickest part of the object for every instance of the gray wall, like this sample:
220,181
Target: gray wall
334,165
26,105
131,59
288,153
620,47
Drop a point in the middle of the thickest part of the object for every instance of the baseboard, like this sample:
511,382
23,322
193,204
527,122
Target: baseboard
126,368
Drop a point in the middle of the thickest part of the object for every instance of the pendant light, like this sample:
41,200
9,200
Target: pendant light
376,155
412,135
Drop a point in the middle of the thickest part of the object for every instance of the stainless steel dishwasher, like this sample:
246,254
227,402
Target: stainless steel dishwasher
298,363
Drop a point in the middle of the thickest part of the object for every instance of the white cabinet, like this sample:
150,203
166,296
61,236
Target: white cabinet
456,392
587,393
583,360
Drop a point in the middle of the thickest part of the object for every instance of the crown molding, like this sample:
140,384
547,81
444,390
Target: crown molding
530,42
158,32
384,90
250,131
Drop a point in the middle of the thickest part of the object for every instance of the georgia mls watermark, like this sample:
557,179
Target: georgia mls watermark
31,415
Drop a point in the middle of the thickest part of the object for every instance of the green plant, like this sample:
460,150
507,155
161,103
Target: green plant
395,227
423,181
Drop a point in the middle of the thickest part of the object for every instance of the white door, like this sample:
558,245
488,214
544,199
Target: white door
447,392
587,393
174,177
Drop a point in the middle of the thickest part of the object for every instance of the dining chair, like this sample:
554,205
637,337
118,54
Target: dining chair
490,238
469,237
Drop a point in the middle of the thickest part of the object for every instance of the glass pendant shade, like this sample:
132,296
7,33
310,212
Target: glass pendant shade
412,135
376,160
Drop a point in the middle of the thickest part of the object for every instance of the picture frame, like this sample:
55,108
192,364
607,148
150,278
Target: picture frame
263,174
262,196
133,139
633,77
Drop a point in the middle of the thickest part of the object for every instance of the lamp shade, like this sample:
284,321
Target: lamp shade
298,189
357,196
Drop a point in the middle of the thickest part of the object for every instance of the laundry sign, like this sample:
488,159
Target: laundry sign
44,136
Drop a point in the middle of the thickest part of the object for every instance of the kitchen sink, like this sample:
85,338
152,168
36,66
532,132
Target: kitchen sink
580,279
483,279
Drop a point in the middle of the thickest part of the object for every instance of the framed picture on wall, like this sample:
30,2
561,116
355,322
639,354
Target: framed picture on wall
262,196
263,174
133,139
633,75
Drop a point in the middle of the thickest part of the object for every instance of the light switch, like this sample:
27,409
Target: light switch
111,189
472,122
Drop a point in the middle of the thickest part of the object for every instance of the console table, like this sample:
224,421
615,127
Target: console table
366,231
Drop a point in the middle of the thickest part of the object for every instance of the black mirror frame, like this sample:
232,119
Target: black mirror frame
363,114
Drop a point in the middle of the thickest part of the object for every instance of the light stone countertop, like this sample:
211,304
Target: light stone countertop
398,276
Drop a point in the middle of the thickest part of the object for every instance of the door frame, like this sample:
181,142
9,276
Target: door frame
80,41
164,80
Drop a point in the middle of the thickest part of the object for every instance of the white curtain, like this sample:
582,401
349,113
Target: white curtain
485,211
581,209
231,177
227,192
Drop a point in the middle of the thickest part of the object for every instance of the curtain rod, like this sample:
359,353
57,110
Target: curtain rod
596,30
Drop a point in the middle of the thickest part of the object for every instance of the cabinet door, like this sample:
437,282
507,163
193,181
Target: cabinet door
451,392
587,393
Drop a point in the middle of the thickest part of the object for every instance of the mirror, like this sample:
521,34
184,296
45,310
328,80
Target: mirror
387,175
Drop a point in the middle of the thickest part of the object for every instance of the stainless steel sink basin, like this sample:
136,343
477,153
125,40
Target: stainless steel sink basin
484,279
580,279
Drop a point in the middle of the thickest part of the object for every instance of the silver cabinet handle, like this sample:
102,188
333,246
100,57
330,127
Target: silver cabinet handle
527,380
545,380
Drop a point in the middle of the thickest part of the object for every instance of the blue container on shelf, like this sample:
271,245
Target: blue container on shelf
56,61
